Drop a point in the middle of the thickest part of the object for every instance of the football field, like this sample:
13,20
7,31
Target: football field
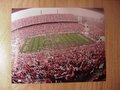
38,43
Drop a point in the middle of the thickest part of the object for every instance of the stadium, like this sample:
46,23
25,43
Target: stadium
55,47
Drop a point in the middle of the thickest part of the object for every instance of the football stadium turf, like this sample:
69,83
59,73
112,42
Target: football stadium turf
39,43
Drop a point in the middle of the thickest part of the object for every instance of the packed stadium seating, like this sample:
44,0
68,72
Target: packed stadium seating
52,28
49,18
61,65
56,23
72,64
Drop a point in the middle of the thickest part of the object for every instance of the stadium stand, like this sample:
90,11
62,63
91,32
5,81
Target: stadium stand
72,64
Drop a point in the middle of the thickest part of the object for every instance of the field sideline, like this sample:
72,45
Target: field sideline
39,43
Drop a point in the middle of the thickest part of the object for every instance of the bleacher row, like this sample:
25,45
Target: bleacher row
40,19
46,29
95,32
81,63
55,24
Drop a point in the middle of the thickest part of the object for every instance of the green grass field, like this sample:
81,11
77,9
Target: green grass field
39,43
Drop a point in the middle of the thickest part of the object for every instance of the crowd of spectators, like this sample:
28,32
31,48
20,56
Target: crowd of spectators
42,19
81,63
47,29
71,64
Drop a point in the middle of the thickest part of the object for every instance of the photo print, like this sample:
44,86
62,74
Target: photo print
57,45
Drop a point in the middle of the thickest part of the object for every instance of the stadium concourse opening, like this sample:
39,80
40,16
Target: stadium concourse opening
54,45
